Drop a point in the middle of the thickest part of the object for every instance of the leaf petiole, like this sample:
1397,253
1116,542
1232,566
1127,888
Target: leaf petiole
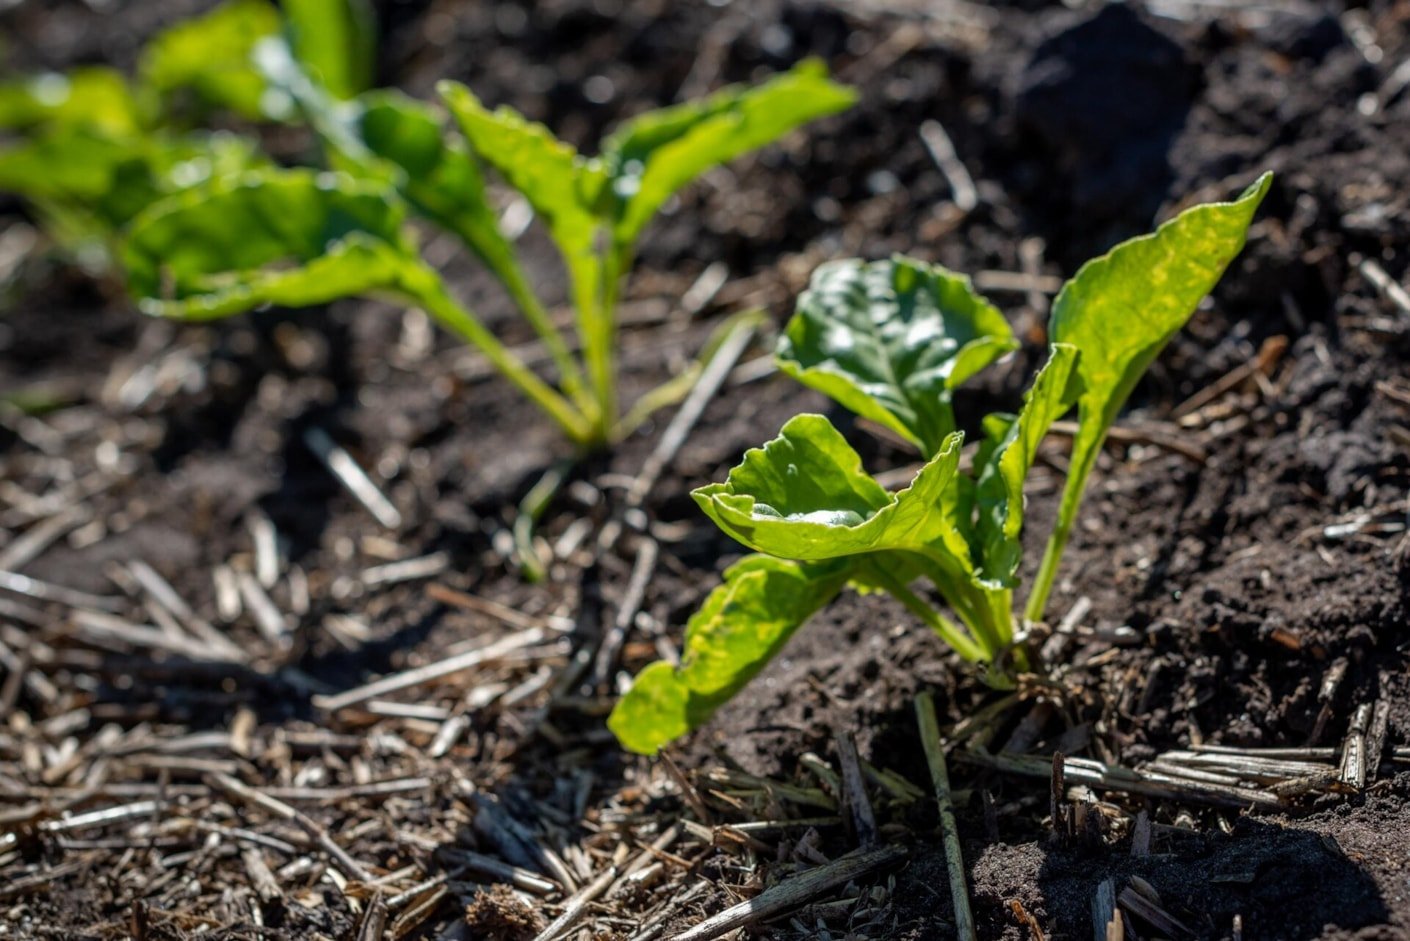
424,286
949,631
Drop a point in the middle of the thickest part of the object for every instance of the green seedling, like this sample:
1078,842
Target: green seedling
890,341
234,246
93,147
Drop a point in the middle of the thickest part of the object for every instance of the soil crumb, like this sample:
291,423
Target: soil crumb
498,914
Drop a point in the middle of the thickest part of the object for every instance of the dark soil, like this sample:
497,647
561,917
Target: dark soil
1242,581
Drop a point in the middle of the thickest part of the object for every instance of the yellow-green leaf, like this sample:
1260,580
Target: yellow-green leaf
212,56
1120,310
655,154
336,40
107,179
288,237
999,490
739,628
96,97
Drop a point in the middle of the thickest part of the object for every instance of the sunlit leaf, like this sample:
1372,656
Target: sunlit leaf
1004,467
804,495
562,186
565,191
739,628
654,155
336,40
211,57
293,238
1120,310
891,340
108,180
95,97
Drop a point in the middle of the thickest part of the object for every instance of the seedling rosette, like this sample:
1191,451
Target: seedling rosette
394,152
890,341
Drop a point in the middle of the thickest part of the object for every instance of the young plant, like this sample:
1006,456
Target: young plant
93,147
229,252
890,341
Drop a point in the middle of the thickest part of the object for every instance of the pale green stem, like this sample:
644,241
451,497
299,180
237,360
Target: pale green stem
1083,461
1047,573
538,498
970,602
598,331
1000,604
533,310
425,287
949,631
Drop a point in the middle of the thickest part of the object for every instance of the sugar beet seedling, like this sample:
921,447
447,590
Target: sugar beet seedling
298,238
890,341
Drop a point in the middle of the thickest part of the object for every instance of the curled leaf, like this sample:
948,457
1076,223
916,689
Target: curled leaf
804,495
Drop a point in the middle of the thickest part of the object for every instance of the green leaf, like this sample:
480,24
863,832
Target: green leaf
562,186
1120,310
805,496
436,174
439,178
96,97
654,155
565,191
292,237
387,135
1004,467
740,627
298,238
212,56
336,40
108,180
890,341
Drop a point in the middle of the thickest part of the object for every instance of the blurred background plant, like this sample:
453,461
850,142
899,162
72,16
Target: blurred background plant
91,148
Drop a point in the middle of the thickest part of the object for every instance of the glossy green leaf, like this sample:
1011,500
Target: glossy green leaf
95,97
336,40
654,155
739,628
293,238
212,57
804,495
1004,467
891,340
1120,310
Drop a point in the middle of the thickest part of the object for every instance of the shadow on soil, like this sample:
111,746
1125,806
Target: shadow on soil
1282,881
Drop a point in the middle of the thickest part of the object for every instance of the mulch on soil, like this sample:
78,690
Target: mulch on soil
186,741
